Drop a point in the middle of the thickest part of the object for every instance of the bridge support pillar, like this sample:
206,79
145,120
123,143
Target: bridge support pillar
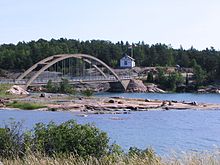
118,86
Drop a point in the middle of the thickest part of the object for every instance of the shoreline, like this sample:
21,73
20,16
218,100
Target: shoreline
108,105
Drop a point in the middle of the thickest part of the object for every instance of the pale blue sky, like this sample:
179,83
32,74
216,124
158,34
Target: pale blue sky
175,22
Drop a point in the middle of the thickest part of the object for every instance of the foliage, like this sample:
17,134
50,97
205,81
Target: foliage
65,86
170,81
87,92
115,149
189,158
160,77
136,151
69,137
50,86
11,140
62,87
174,79
25,105
70,143
63,139
199,73
3,89
150,77
23,55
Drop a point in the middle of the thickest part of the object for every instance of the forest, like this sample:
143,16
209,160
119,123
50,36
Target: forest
20,56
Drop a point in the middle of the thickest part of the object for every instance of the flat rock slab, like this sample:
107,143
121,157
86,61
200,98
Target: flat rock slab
125,104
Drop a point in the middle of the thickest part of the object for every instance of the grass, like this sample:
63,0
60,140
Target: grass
25,105
3,89
206,158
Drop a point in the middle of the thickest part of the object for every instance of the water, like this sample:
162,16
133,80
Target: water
202,98
164,131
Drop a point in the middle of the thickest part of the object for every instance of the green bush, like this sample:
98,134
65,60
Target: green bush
70,137
169,82
60,140
11,140
150,77
87,92
64,139
149,152
62,87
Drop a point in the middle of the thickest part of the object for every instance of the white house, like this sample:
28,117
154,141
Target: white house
127,62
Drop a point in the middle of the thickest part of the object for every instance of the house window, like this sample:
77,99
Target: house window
125,63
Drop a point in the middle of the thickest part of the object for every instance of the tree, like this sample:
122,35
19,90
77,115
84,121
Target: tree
62,87
49,86
65,86
87,92
199,75
150,77
24,54
160,77
174,80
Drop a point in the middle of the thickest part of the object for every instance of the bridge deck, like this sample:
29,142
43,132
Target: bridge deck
72,80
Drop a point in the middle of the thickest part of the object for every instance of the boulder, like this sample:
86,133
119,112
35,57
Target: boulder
136,86
17,90
111,101
154,89
42,95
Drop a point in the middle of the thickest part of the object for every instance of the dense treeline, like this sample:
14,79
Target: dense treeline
23,55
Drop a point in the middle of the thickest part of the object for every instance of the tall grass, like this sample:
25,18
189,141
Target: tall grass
25,105
208,158
70,143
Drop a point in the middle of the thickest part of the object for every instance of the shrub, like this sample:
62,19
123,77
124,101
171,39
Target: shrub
11,140
70,137
149,152
62,87
87,92
150,77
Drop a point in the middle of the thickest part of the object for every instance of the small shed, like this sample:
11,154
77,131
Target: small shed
127,62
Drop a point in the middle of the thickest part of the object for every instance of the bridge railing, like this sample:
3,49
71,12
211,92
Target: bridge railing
71,79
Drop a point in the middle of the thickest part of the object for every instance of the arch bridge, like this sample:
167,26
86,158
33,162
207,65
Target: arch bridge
43,65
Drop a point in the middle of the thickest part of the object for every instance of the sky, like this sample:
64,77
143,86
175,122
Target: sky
172,22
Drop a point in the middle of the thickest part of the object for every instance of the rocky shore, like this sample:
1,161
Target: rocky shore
124,105
209,89
102,105
139,86
106,105
112,105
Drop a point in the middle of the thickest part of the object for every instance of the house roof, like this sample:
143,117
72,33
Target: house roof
127,56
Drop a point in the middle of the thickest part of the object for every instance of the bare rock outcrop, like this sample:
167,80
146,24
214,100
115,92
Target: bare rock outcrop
138,86
209,89
17,90
154,89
